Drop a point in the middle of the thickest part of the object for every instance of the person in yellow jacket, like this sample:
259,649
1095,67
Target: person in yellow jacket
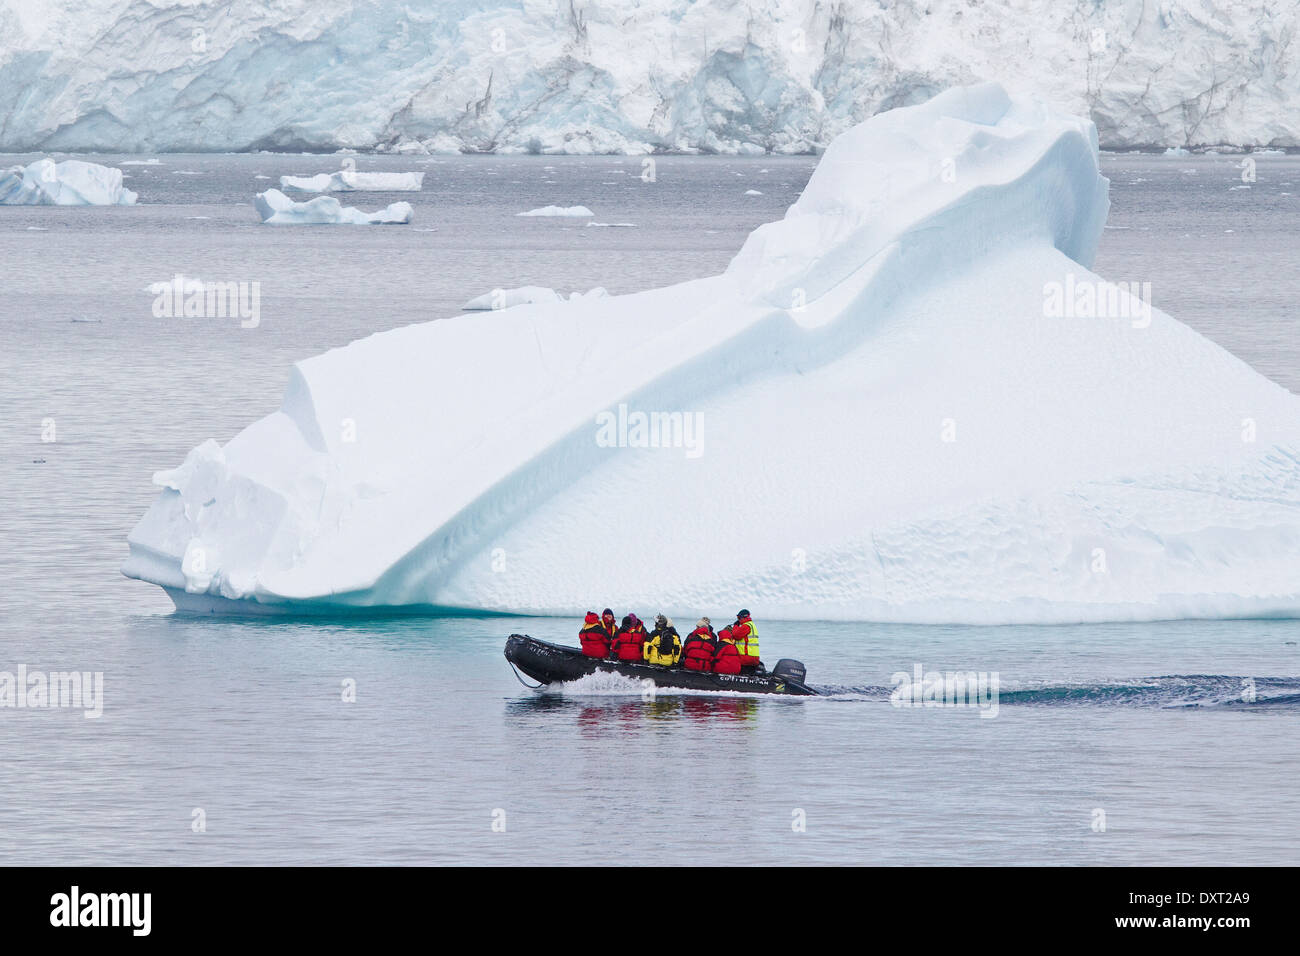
745,632
664,645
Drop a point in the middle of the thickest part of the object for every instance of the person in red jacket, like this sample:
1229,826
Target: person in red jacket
697,652
629,641
727,658
596,634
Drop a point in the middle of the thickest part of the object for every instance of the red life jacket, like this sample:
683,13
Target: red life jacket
594,637
727,660
627,644
697,652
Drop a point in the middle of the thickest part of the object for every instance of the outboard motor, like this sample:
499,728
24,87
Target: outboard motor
787,668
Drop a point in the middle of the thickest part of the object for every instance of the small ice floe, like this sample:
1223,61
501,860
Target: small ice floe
69,183
526,295
186,172
611,225
277,208
1175,151
43,229
198,217
140,162
348,180
572,211
260,176
82,320
752,192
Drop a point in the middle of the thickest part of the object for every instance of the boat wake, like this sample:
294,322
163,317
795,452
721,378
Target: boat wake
599,684
1171,691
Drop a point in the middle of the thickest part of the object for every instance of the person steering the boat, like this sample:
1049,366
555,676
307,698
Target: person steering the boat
664,646
745,633
629,640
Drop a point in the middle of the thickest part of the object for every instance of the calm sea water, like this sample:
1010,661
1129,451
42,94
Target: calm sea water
1142,726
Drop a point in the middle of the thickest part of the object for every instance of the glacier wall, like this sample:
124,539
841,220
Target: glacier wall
577,76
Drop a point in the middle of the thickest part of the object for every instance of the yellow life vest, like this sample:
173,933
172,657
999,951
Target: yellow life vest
654,654
746,638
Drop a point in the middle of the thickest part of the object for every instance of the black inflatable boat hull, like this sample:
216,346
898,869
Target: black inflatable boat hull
553,663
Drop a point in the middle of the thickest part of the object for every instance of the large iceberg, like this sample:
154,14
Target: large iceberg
278,209
600,76
907,400
69,183
349,180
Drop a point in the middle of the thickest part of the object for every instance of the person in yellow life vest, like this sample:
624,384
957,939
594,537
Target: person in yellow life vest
664,646
745,633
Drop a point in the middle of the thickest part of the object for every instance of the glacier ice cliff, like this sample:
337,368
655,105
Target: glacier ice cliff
882,410
576,76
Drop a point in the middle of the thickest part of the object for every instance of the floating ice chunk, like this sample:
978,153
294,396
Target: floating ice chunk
275,207
69,183
525,295
346,180
752,192
574,211
444,144
611,225
506,298
1176,151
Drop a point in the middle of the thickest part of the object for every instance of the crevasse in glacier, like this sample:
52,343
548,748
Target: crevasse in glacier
884,411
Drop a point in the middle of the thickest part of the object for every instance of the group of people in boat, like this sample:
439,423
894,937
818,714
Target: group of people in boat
733,650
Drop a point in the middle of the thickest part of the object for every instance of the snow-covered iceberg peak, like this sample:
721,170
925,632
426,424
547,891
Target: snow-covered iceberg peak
971,159
69,183
909,399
